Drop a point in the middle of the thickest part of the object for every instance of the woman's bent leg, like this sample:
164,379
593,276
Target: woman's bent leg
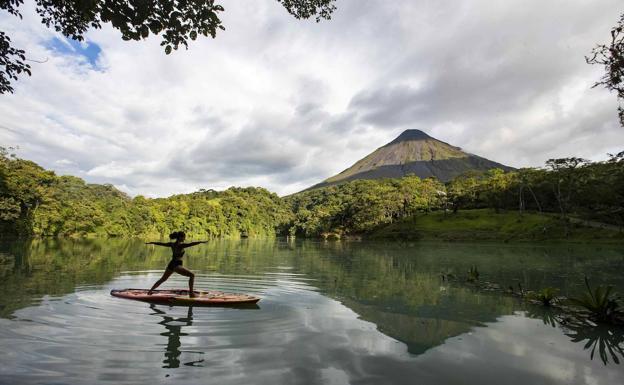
187,273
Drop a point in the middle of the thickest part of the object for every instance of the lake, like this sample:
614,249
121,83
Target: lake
331,313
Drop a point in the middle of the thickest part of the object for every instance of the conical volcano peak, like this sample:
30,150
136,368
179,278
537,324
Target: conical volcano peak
414,152
408,135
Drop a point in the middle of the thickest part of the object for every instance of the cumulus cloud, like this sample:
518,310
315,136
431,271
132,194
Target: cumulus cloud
283,104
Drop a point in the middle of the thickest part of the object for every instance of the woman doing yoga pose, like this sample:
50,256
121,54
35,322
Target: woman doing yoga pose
175,265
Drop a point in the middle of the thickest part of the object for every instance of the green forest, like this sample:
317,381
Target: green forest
37,202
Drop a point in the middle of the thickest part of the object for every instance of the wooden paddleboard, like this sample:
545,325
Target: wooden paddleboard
181,297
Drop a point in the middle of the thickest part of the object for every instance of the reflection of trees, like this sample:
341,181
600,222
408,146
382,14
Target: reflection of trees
398,288
56,266
173,333
32,268
381,271
608,340
395,285
534,267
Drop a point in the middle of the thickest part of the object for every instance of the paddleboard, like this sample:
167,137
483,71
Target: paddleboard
181,297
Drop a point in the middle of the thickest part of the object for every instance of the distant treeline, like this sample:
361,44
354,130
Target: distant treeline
34,201
568,186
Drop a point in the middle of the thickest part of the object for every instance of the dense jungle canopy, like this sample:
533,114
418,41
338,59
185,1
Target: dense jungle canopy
37,202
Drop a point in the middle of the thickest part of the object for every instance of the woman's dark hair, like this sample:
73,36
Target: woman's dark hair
177,235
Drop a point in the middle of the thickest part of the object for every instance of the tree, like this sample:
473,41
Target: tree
565,178
13,61
611,56
494,187
462,190
527,179
176,21
601,193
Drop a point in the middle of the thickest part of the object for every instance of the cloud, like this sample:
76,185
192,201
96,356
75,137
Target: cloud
283,103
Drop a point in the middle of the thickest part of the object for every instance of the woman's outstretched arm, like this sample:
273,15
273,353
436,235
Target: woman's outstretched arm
159,243
193,244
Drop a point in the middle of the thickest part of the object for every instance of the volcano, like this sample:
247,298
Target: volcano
414,152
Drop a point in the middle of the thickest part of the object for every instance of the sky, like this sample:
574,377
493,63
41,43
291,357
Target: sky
283,103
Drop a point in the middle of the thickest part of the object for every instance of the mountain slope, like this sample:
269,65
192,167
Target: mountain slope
414,152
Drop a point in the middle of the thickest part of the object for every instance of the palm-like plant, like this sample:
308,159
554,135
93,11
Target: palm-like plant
600,302
473,274
546,296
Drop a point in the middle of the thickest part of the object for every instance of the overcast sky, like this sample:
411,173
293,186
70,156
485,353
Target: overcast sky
283,103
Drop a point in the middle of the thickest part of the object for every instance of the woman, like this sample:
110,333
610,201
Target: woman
175,265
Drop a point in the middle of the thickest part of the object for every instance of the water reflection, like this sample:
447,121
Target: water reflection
606,340
173,333
331,313
547,314
174,326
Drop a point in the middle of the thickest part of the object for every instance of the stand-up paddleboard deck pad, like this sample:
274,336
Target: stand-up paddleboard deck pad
181,297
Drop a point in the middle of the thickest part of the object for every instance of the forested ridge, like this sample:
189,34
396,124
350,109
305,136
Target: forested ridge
34,201
37,202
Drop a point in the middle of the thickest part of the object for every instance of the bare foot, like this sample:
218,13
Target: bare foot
192,294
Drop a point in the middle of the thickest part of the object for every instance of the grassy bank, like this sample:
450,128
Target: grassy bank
486,224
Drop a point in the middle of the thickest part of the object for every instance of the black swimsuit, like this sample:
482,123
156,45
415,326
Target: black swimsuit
176,260
174,263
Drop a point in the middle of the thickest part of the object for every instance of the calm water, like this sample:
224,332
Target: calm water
331,313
